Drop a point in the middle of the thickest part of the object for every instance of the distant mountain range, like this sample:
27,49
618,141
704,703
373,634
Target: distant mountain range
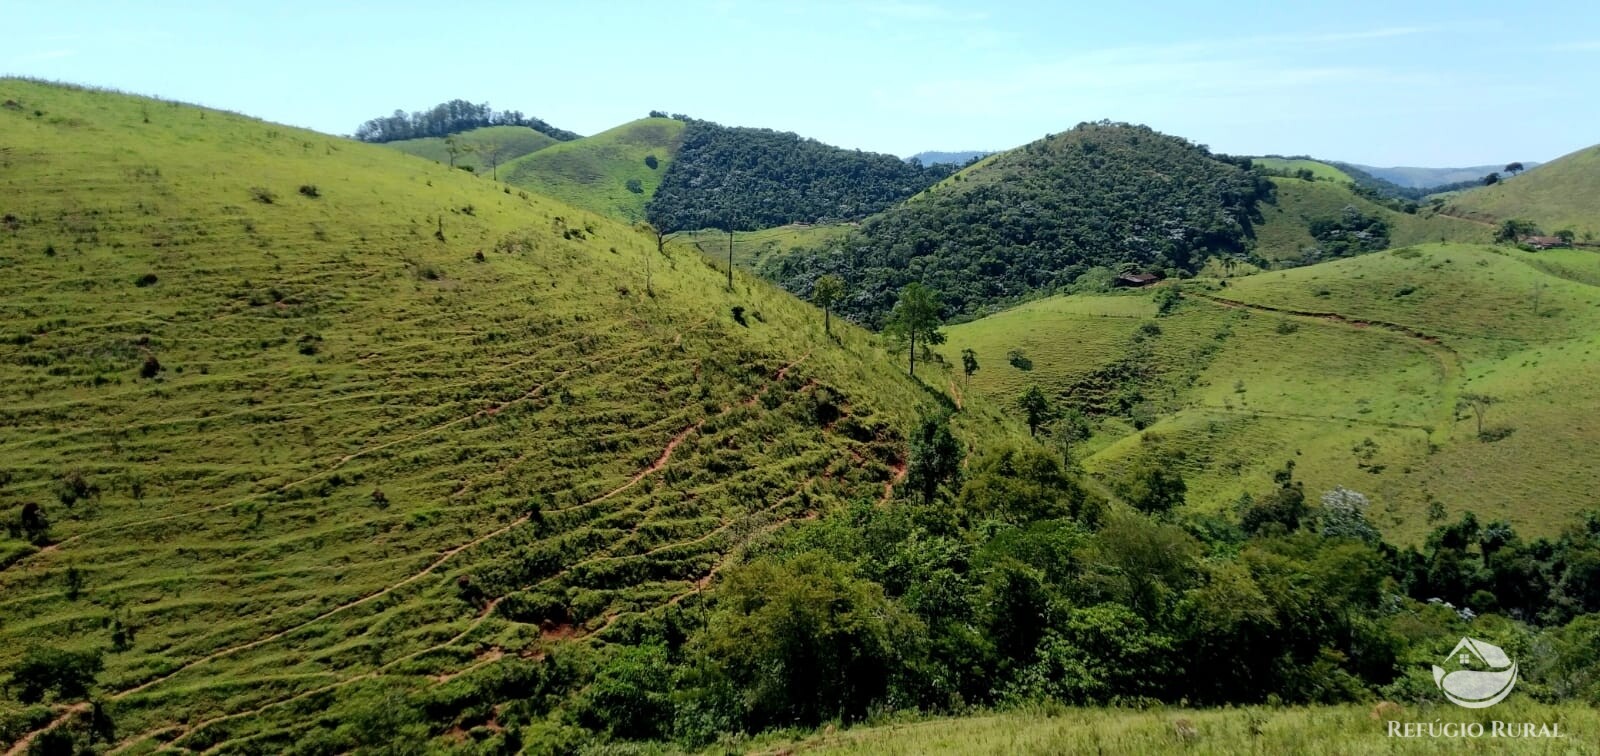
1422,178
958,158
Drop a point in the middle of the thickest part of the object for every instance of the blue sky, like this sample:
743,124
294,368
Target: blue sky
1458,83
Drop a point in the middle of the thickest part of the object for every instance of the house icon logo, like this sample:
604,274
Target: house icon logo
1483,674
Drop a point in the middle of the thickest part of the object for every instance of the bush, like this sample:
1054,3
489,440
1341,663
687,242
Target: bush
148,279
1286,327
310,190
738,316
635,186
150,368
651,162
263,195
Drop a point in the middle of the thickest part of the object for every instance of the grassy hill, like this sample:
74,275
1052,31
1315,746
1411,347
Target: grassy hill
1352,369
1318,169
334,441
1284,235
1561,194
753,248
605,173
1422,178
511,141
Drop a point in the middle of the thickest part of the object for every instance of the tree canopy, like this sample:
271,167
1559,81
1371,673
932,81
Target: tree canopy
448,118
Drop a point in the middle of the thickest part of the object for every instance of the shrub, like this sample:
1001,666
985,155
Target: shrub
651,162
738,315
263,195
635,187
310,190
1286,327
150,368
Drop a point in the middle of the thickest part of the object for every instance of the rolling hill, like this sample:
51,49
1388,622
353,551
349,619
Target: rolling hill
1352,369
609,173
335,444
1318,168
1285,233
961,157
1561,194
478,148
1422,178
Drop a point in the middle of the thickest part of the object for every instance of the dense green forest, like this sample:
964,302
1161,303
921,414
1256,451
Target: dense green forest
448,118
996,578
1038,217
748,179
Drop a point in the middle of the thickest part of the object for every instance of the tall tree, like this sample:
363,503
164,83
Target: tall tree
827,290
1479,404
915,315
1035,407
1513,168
492,151
969,364
935,456
453,148
661,238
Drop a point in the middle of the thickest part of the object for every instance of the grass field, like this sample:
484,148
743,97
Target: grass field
751,248
1297,730
335,425
1319,169
594,172
1285,234
1561,194
1352,369
512,141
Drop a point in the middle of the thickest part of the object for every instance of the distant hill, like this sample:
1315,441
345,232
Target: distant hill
1423,178
1291,166
759,178
949,158
1302,223
613,173
1561,194
453,117
1037,217
479,148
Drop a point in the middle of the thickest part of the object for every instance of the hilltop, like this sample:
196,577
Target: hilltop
481,150
613,173
1561,194
961,157
337,444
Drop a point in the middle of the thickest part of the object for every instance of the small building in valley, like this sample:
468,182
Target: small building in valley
1545,242
1137,279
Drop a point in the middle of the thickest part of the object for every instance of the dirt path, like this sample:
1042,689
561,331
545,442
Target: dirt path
21,746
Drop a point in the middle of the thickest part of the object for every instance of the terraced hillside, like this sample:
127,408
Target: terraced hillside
1561,194
305,439
1353,370
609,173
478,149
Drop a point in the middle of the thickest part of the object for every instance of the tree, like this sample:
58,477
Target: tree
661,238
1491,179
916,314
1153,486
1479,404
828,289
1513,168
1036,407
69,673
492,151
1513,229
969,364
453,148
1071,427
1566,235
1344,515
935,456
35,526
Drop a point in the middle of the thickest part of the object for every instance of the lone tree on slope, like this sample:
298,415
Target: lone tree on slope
1479,404
1513,168
915,315
969,364
1036,407
825,292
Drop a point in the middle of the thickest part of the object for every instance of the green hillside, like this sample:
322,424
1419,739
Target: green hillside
337,444
1318,168
1561,194
605,173
1284,234
753,249
1352,369
478,148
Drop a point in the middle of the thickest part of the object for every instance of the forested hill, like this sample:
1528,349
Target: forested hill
751,179
1039,216
451,117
